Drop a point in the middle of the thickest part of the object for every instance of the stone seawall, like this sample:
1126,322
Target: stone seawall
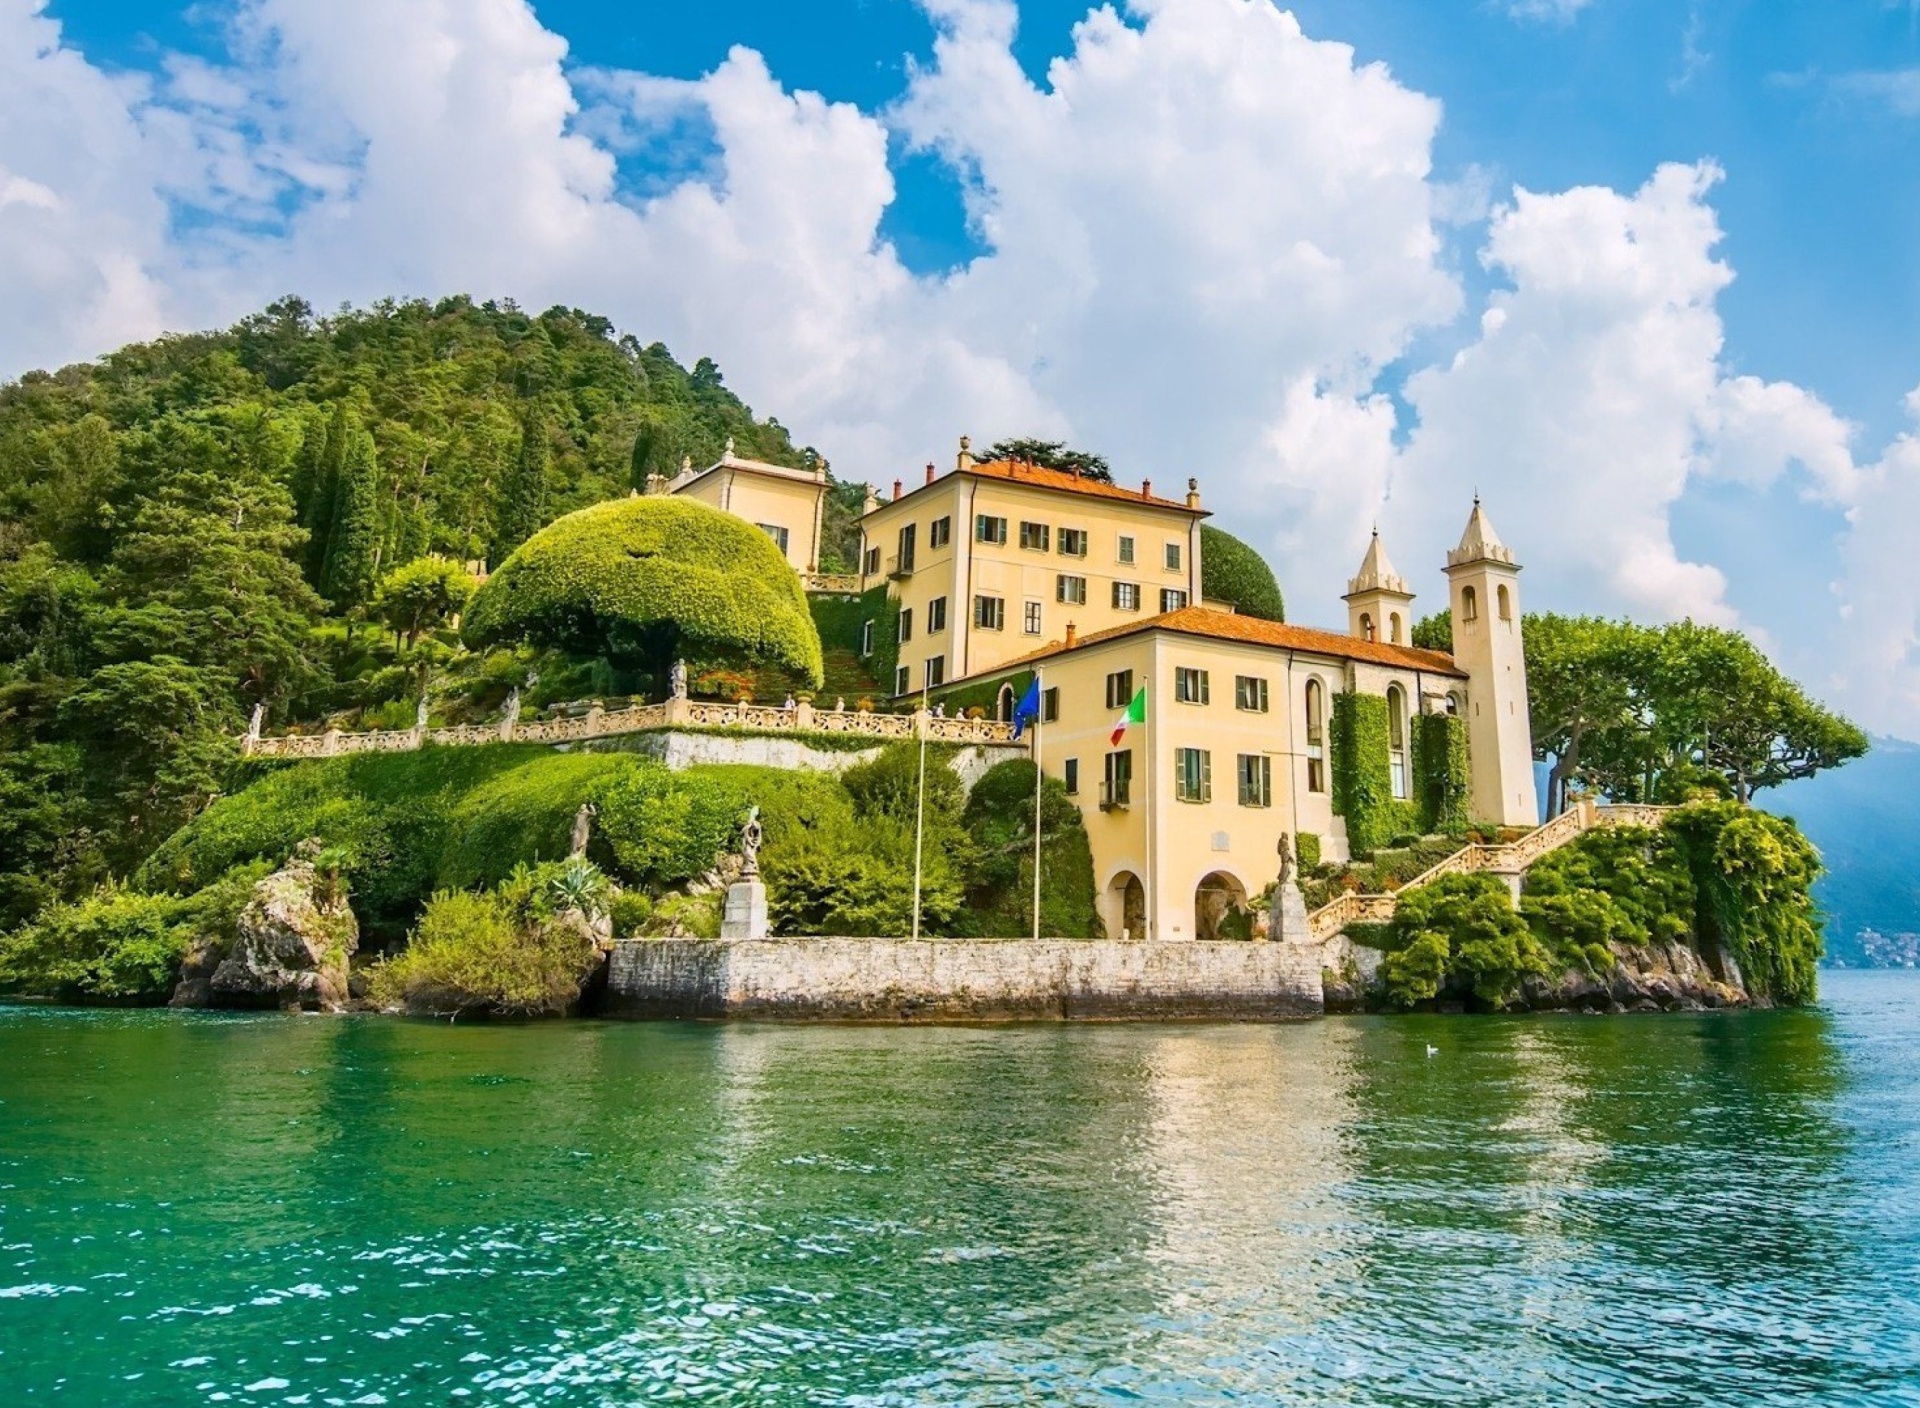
897,980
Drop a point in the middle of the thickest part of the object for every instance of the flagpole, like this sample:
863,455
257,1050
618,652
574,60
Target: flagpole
1039,779
920,810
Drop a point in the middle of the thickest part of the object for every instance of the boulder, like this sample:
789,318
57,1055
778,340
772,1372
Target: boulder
296,937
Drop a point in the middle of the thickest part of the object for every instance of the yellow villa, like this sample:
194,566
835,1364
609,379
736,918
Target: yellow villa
785,504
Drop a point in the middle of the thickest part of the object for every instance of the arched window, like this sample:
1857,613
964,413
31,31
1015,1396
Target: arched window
1397,740
1366,625
1316,736
1393,626
1453,703
1469,604
1505,599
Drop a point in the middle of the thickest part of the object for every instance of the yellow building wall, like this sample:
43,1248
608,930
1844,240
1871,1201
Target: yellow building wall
792,504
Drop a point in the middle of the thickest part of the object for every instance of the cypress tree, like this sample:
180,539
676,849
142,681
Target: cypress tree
353,555
523,499
321,455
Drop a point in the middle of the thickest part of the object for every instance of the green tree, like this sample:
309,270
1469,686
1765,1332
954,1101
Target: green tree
523,506
1582,673
417,596
1233,573
1052,454
353,551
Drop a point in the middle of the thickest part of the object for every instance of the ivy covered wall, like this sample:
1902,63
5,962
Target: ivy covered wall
1362,775
1443,785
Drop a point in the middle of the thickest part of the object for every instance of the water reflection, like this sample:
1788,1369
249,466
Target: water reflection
1669,1210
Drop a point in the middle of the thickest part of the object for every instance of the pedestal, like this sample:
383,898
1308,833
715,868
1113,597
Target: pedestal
1290,916
745,916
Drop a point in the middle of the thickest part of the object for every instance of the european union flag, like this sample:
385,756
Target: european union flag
1028,709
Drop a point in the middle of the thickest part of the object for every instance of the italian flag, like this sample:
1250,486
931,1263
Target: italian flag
1136,714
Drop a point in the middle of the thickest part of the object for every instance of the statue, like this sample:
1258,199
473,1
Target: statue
789,704
677,680
751,834
582,825
512,711
1286,860
420,714
840,704
253,726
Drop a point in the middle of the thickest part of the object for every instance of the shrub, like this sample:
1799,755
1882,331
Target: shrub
1461,932
1753,873
1232,572
666,828
646,579
686,916
629,910
1306,848
999,822
1442,775
115,945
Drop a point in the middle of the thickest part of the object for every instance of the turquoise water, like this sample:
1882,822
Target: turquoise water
1664,1210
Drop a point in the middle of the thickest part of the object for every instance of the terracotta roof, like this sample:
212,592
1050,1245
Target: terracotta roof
1226,625
1015,472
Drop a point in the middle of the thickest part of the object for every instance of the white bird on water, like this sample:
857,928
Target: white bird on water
1432,1051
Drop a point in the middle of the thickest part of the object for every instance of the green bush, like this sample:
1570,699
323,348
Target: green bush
524,815
999,822
113,945
1754,875
665,828
1443,779
648,579
630,911
1643,875
1306,847
1232,572
686,916
1461,933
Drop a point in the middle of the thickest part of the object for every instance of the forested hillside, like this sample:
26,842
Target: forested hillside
209,522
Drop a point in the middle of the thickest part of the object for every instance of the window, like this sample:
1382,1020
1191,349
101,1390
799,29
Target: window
866,639
1469,604
1171,600
776,532
1250,693
1173,557
990,613
988,529
1072,590
1316,737
1119,689
1050,705
940,533
873,562
936,671
1190,686
1116,787
1256,780
1126,548
1073,542
906,625
1071,769
1502,596
902,680
1366,625
1126,596
1393,628
1192,775
1030,618
1397,740
904,562
1037,536
936,615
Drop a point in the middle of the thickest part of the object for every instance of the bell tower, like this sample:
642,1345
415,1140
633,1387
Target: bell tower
1379,606
1483,582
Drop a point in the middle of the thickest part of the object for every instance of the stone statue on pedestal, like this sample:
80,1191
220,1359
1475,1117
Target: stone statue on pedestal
582,829
253,725
751,835
745,915
420,714
511,712
677,680
1288,921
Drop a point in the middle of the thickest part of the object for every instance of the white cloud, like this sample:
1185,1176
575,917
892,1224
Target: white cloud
1544,11
1897,89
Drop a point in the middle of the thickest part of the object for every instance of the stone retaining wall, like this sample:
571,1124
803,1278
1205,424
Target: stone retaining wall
897,980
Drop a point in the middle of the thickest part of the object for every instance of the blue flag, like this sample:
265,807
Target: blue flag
1028,709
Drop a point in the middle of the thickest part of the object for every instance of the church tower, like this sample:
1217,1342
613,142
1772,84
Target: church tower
1379,606
1483,581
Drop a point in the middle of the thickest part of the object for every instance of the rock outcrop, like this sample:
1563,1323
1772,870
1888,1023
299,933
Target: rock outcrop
1660,977
296,938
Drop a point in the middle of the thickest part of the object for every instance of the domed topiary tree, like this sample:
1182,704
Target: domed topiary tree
642,581
1234,573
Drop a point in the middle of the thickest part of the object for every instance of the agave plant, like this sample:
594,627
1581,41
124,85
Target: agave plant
580,885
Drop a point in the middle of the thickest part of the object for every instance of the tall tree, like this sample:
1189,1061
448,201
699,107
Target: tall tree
1581,677
317,483
523,500
1052,454
353,554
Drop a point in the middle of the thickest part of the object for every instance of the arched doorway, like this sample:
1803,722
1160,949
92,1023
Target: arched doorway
1003,706
1220,908
1126,907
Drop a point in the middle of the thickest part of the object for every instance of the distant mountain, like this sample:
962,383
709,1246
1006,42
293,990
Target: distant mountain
1866,821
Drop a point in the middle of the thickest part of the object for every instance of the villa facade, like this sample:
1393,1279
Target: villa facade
785,504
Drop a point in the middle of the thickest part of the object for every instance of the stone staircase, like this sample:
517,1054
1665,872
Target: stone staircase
1509,860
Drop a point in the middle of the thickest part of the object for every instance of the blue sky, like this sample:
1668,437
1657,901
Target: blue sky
1684,393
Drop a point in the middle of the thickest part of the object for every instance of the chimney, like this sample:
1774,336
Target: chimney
964,461
896,488
1193,493
1073,634
1146,488
929,471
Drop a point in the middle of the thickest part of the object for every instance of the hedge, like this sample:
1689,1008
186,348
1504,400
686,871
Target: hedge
1443,784
643,579
1232,572
1362,773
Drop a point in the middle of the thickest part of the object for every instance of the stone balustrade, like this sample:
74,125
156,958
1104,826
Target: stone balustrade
595,722
1509,859
841,583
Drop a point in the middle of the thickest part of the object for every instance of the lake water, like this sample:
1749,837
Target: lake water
1722,1209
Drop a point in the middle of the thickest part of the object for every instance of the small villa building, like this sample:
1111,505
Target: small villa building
785,504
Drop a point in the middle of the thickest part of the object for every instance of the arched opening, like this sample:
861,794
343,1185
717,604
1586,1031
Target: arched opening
1366,625
1003,705
1316,736
1393,628
1220,908
1397,739
1469,604
1124,907
1453,704
1505,600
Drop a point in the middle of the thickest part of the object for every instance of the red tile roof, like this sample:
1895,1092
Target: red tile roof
1226,625
1015,472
